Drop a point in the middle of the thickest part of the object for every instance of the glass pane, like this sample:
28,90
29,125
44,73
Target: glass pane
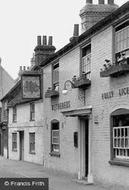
55,148
55,140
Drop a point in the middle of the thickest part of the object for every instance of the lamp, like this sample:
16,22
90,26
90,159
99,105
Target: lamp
68,85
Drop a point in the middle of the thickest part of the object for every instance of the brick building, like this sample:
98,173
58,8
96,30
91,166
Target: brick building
84,109
86,96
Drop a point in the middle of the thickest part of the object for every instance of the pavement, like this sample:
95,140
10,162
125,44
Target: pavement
57,180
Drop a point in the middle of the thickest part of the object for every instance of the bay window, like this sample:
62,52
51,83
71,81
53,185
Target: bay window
120,136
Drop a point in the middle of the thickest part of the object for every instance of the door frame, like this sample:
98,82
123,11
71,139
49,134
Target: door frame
82,166
83,148
21,137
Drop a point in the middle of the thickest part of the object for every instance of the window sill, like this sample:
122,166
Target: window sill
14,150
32,119
32,153
119,162
55,154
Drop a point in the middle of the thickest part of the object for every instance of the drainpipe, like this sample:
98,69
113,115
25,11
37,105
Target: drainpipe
7,133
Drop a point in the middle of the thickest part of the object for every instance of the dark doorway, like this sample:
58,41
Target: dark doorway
86,147
21,137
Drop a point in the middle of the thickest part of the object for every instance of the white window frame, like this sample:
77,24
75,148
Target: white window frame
86,61
55,137
14,141
32,142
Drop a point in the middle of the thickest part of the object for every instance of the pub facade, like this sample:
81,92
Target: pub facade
86,93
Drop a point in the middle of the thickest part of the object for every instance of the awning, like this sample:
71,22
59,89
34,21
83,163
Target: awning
83,111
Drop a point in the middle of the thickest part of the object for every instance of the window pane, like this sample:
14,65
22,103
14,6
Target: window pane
121,39
32,142
14,141
55,137
32,111
121,136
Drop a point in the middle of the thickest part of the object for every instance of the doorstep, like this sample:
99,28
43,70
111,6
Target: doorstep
83,181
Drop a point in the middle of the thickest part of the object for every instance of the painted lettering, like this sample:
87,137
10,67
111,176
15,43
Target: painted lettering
62,105
107,95
123,91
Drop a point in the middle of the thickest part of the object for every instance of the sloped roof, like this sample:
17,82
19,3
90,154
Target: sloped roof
96,28
91,31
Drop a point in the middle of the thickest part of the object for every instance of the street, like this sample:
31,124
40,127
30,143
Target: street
57,180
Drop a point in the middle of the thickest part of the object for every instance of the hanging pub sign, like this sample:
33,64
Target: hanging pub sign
31,85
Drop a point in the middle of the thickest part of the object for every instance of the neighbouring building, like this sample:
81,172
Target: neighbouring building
84,108
6,83
25,108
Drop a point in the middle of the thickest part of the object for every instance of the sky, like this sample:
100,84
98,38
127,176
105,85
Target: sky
23,20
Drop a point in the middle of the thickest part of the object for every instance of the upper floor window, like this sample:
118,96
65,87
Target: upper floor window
14,114
55,76
86,61
32,111
55,137
4,112
122,41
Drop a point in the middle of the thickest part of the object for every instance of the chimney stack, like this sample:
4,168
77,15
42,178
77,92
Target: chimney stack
101,1
43,50
88,1
39,40
50,41
92,13
75,33
20,68
44,40
76,30
111,2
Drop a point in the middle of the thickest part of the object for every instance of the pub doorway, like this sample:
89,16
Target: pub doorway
84,147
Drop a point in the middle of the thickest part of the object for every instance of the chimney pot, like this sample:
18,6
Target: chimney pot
20,68
101,1
44,40
111,2
76,30
39,40
50,41
88,1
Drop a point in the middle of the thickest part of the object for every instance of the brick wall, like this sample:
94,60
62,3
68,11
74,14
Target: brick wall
102,170
69,155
